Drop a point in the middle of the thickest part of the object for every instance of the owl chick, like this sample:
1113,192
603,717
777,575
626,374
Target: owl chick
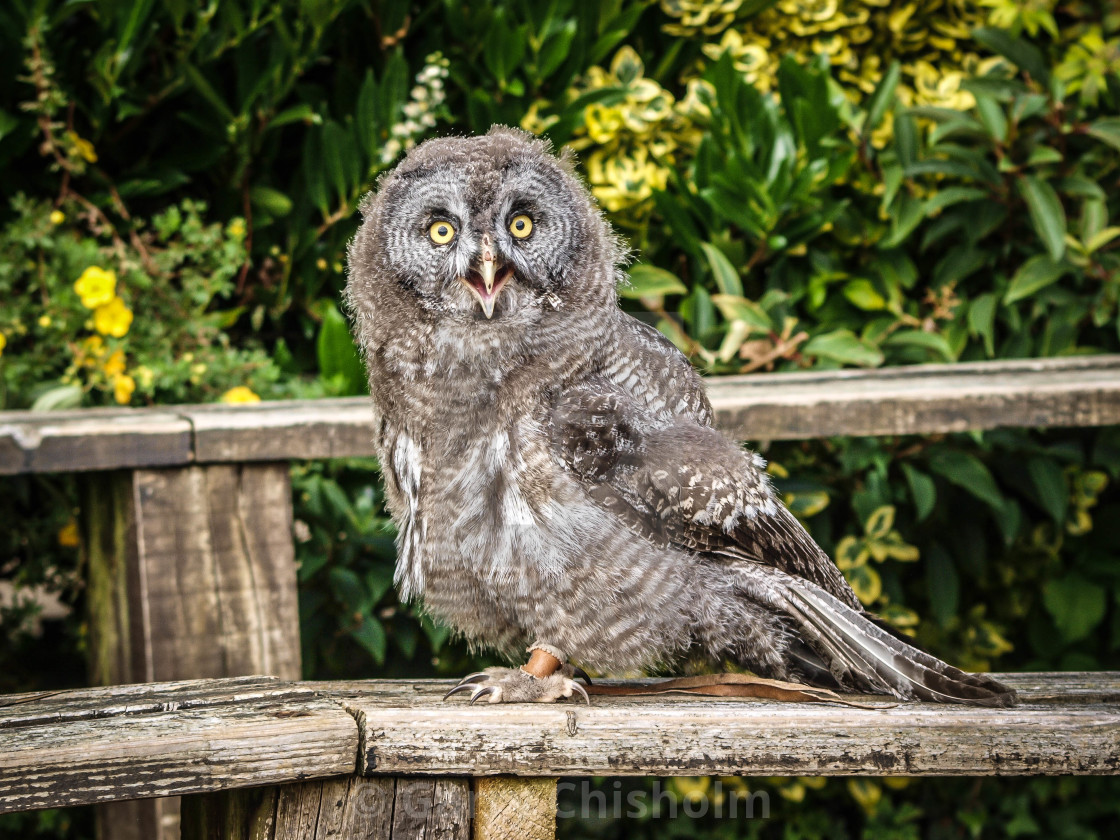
550,461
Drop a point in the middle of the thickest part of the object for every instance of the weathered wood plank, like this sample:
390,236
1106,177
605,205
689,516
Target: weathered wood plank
100,745
922,399
191,575
92,439
168,739
405,729
341,808
510,808
1079,391
299,429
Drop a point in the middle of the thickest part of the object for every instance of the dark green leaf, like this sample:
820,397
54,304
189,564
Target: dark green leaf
1107,130
650,281
736,308
923,490
348,589
1036,273
969,473
881,98
905,139
1050,486
1047,215
1077,605
371,635
943,583
1019,52
982,319
273,202
926,340
845,347
339,361
992,116
727,278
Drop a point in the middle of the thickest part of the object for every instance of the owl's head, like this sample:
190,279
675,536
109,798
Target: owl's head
490,232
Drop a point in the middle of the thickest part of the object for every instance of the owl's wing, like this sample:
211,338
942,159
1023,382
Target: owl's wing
680,483
655,375
677,481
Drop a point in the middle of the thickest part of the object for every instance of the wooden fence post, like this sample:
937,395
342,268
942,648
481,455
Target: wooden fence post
514,808
191,574
345,808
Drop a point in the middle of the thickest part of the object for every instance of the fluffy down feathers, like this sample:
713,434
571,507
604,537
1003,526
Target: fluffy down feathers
551,464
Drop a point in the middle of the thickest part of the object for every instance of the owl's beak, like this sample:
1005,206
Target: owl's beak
488,278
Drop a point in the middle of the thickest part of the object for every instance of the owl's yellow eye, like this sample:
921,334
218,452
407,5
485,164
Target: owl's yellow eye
441,233
521,226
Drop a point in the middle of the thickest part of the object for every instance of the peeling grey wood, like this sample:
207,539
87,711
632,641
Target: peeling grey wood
191,574
291,430
1078,391
406,729
92,439
921,399
106,744
342,808
83,746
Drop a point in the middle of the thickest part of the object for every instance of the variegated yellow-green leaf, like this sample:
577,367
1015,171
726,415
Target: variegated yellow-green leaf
880,522
865,582
807,504
866,792
902,551
851,553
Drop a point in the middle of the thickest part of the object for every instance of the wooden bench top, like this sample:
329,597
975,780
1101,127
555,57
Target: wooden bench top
922,399
161,739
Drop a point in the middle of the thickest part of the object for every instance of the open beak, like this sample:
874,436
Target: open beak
488,277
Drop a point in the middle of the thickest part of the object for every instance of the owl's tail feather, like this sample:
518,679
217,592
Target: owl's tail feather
863,656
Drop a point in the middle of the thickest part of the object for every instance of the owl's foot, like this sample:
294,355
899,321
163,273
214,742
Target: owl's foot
513,685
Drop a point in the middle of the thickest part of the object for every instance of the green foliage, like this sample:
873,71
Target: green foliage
92,318
807,185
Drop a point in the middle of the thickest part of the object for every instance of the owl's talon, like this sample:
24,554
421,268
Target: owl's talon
467,682
579,673
574,686
512,685
486,691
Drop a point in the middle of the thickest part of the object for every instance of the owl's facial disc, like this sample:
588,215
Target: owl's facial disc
487,277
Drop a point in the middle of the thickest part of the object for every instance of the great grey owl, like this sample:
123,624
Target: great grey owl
550,461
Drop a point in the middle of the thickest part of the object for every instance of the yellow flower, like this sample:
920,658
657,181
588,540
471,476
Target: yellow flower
114,318
83,147
123,386
44,321
90,350
114,365
236,229
96,287
3,343
68,535
57,217
240,394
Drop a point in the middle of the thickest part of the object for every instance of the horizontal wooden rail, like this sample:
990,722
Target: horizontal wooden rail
126,742
1075,391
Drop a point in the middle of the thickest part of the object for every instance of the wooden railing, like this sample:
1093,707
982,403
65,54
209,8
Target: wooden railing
393,761
186,522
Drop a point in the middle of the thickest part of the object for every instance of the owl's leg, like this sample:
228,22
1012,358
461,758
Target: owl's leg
543,679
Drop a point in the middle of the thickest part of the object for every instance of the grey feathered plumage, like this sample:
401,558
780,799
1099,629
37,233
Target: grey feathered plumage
553,470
